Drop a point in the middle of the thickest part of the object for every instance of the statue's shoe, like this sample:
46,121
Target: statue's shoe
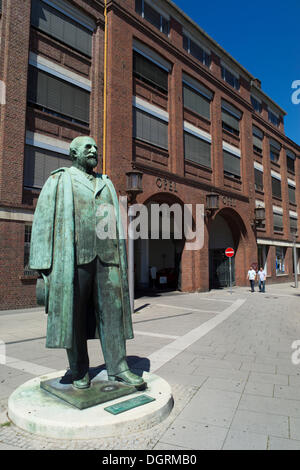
82,383
129,378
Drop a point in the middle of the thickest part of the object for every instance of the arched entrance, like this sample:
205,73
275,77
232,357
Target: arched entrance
227,229
161,255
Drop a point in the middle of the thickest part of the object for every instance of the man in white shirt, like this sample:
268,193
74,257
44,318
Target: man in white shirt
251,276
261,280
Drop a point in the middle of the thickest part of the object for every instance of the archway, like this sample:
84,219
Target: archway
227,229
161,256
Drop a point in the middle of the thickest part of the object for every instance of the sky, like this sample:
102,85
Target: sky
264,37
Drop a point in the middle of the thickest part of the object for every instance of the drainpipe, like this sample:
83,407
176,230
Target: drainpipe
105,91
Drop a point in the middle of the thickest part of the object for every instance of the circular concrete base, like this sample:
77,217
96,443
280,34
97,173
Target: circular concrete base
37,411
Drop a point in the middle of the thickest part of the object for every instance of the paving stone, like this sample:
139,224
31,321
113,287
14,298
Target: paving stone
261,423
277,443
256,388
279,406
295,428
225,384
242,440
288,392
268,378
259,367
196,436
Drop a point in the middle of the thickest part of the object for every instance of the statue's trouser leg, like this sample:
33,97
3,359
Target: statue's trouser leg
78,354
109,313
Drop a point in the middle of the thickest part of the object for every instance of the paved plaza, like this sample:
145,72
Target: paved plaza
228,358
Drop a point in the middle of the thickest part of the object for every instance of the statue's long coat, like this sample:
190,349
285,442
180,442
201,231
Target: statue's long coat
53,248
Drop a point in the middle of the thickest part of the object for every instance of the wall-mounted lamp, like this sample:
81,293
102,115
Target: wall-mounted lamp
212,203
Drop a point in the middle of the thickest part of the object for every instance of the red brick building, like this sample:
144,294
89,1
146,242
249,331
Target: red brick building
179,108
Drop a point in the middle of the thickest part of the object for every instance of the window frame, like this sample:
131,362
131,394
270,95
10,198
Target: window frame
163,18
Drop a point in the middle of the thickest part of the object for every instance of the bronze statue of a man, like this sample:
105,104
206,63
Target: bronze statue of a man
85,277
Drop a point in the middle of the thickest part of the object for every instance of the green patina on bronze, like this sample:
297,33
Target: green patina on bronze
100,391
129,404
72,259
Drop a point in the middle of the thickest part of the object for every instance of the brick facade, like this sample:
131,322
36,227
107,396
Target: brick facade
181,180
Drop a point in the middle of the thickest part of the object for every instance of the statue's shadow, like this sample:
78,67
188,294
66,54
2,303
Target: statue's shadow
137,365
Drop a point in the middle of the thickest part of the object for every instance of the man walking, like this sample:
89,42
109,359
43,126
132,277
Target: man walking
252,277
261,280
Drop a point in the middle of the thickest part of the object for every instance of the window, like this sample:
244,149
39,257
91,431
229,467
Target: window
150,128
273,118
27,239
256,104
290,161
153,16
280,257
231,118
196,102
258,136
275,148
150,73
292,192
196,51
293,224
58,97
231,165
72,31
258,176
262,255
39,163
197,150
277,222
230,78
276,187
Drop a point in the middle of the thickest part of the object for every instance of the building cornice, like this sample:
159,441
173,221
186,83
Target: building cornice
158,172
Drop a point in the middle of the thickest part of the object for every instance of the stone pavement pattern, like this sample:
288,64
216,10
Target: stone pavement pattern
227,357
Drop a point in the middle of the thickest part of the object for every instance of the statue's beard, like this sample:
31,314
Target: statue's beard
92,162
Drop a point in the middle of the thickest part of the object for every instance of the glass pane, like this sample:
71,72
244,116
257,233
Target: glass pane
150,73
231,164
139,6
196,102
276,187
258,180
197,150
292,194
151,15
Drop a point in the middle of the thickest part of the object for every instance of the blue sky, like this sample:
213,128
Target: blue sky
263,36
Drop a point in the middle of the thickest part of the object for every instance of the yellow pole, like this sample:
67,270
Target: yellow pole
105,91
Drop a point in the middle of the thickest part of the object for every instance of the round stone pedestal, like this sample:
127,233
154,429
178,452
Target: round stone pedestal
39,412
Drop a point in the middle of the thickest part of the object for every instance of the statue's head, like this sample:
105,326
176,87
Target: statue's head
83,152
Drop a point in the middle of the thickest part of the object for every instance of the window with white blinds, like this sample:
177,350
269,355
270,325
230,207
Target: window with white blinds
197,150
149,72
53,21
293,224
276,187
275,148
231,165
231,117
258,137
39,163
290,161
277,222
58,96
150,128
196,102
259,183
292,193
